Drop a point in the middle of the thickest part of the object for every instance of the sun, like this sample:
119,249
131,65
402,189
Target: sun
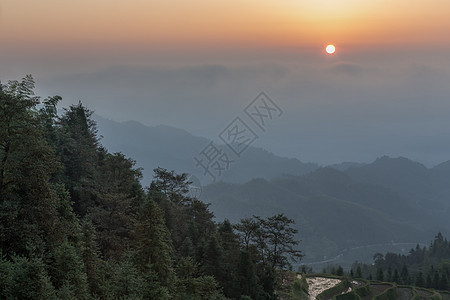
330,49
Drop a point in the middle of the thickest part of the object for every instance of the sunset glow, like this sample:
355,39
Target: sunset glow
348,73
202,23
330,49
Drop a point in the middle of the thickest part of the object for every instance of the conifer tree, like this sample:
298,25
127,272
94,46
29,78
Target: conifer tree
154,249
68,271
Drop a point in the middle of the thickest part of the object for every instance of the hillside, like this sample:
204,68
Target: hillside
325,286
175,149
333,210
339,207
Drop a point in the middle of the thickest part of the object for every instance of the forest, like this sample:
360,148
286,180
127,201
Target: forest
427,267
76,222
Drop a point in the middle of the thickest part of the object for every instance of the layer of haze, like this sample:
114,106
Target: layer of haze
196,65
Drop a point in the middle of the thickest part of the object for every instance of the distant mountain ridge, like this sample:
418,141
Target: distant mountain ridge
174,149
337,207
389,200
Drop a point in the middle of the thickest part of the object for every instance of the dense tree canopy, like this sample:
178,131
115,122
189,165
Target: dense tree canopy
423,267
76,223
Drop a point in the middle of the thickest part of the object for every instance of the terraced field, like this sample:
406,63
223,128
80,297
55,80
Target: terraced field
317,285
423,294
376,289
405,293
445,295
323,287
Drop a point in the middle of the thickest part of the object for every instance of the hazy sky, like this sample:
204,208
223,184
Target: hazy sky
196,64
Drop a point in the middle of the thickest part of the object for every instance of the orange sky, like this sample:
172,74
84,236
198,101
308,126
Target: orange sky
208,57
199,23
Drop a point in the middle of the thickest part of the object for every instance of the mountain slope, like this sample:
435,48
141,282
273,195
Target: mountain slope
329,218
175,149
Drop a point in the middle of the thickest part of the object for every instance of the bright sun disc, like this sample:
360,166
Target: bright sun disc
330,49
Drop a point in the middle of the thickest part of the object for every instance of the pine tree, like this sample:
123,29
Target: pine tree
154,249
127,283
278,239
28,203
230,245
24,278
419,280
443,283
78,149
389,274
246,281
68,271
90,253
380,275
247,229
118,197
404,275
212,262
396,277
358,273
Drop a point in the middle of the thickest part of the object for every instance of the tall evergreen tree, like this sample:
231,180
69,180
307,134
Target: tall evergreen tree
246,281
280,241
90,252
154,249
78,149
28,203
68,271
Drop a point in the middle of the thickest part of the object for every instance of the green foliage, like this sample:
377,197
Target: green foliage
27,201
78,149
304,284
117,203
127,283
380,274
24,278
246,280
422,267
363,290
388,294
75,222
154,249
335,290
90,253
348,296
191,285
279,242
68,270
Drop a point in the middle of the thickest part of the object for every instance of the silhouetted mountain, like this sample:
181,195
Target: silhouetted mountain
443,167
175,149
338,207
426,188
391,199
344,166
331,210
